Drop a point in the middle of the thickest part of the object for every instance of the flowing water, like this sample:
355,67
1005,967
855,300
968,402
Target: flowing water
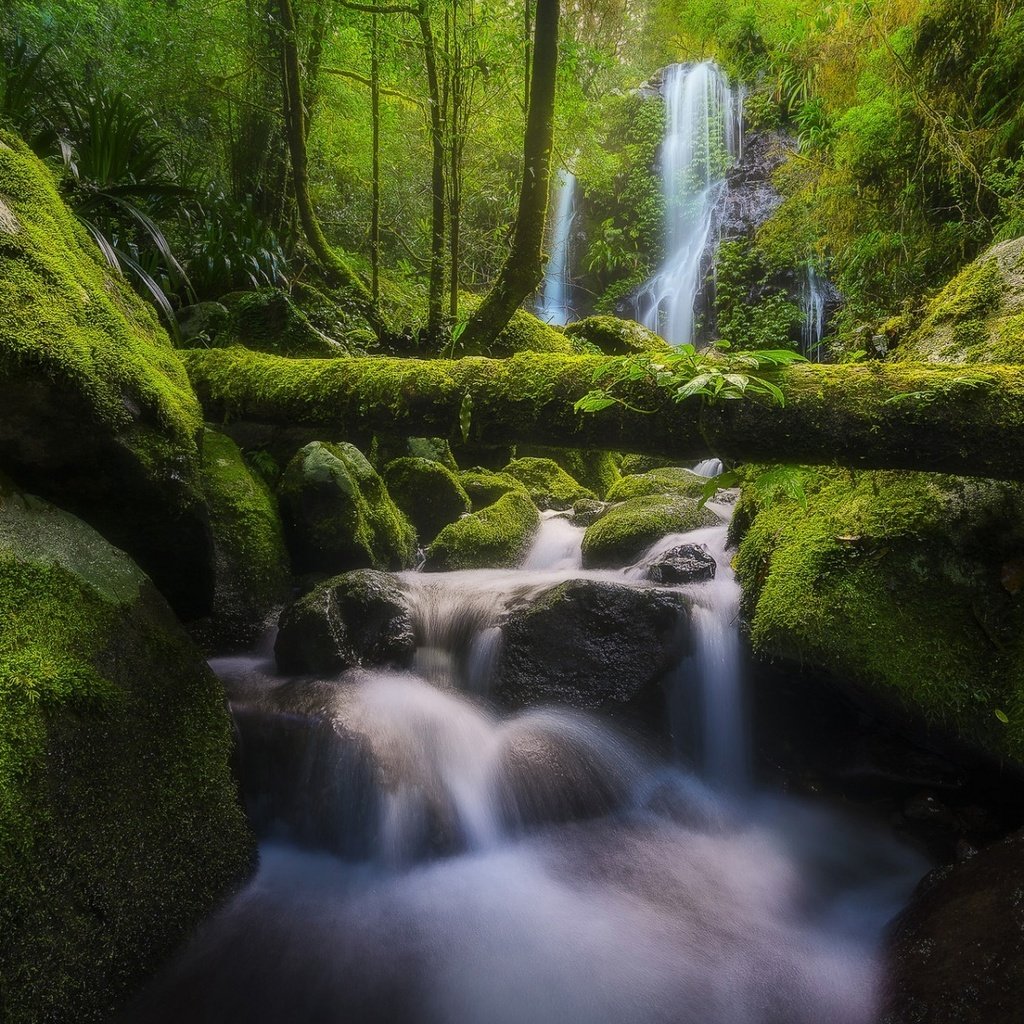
813,300
428,857
555,307
703,137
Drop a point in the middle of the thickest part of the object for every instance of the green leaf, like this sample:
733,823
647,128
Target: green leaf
466,416
1002,716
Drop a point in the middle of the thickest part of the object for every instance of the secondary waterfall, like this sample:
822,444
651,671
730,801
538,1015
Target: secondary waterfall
813,302
703,136
554,307
429,856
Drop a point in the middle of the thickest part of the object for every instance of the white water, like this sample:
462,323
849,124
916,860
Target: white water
554,307
703,136
536,867
813,302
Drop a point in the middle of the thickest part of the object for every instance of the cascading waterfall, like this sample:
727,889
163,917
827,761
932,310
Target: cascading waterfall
554,307
535,867
813,301
703,136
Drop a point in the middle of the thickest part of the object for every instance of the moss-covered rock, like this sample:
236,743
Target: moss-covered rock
978,317
250,559
671,480
634,464
119,820
436,449
628,529
338,515
359,618
594,469
98,413
615,337
485,488
268,321
428,493
523,333
496,537
547,483
892,582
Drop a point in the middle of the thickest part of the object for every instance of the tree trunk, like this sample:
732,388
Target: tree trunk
872,416
295,126
524,266
375,146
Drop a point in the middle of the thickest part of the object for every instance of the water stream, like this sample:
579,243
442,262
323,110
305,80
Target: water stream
554,306
428,857
703,136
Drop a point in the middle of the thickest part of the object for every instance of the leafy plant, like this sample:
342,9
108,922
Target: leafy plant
767,485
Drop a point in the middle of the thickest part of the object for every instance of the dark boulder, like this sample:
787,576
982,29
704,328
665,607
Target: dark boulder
360,618
589,644
688,563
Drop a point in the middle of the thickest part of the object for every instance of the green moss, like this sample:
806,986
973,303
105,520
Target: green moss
485,488
338,514
547,483
428,493
268,321
627,530
524,333
119,822
251,561
615,337
496,537
892,581
659,481
596,470
634,464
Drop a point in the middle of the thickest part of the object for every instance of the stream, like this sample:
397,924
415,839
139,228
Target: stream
428,857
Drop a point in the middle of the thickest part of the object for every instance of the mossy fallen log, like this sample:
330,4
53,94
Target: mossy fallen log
873,415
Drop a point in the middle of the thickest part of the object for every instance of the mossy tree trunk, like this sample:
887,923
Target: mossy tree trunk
296,128
524,268
879,416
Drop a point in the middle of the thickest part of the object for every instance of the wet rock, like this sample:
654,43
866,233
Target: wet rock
751,197
549,486
359,618
587,511
688,563
428,493
956,954
496,537
589,644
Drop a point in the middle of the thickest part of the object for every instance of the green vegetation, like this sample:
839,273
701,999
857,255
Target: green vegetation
496,537
614,337
658,481
428,493
549,486
485,488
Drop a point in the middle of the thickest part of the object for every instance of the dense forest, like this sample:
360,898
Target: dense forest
511,510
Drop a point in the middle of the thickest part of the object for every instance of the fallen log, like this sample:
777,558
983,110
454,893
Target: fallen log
931,417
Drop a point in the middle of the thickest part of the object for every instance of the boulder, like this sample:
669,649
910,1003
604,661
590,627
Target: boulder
203,320
485,488
120,826
359,618
590,644
547,483
338,515
632,465
436,449
496,537
615,337
956,953
628,529
688,563
267,320
595,469
428,493
659,481
251,571
588,511
98,413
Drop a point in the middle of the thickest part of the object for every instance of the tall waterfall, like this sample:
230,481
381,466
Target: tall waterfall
813,301
703,135
554,306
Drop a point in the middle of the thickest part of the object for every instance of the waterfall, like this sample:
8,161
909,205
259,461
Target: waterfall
813,301
554,305
703,136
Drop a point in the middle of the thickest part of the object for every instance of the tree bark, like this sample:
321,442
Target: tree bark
296,128
524,267
872,416
375,146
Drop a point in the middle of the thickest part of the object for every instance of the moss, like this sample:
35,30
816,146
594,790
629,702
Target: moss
615,337
547,483
119,823
485,488
596,470
978,316
98,408
524,333
892,581
659,481
428,493
267,320
338,515
496,537
251,562
387,448
627,530
634,464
